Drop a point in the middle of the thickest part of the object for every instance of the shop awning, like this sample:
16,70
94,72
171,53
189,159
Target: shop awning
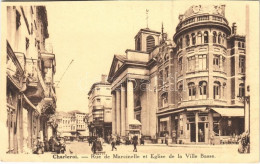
83,133
135,122
230,112
66,135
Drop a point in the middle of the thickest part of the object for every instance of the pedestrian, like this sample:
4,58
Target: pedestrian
135,142
51,144
90,141
166,138
212,138
113,143
46,145
94,146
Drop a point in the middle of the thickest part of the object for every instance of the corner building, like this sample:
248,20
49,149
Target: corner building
210,71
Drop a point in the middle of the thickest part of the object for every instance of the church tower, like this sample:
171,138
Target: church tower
146,40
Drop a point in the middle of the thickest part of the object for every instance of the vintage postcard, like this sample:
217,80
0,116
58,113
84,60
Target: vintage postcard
123,81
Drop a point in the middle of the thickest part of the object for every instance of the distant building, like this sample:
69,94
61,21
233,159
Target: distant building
100,100
71,124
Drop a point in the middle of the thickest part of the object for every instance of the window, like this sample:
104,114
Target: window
241,90
223,63
203,89
180,89
193,37
180,43
239,44
206,37
191,63
219,38
214,37
150,43
138,46
202,62
166,57
192,91
180,64
164,99
216,60
241,64
98,99
223,39
243,45
216,90
187,40
138,117
199,38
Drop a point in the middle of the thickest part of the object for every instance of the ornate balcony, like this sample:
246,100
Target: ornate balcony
14,71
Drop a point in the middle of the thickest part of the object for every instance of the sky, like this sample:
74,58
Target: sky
90,33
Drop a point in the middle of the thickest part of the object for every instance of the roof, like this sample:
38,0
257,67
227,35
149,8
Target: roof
121,57
97,83
230,112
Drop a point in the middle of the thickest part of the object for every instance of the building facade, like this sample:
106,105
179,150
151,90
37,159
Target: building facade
187,88
30,95
100,104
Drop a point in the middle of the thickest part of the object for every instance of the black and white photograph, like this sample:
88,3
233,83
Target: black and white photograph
130,81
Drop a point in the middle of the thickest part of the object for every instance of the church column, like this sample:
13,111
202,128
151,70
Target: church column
117,111
130,101
113,113
123,116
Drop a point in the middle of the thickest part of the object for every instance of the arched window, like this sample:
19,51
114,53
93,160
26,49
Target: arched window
241,90
206,37
199,35
138,45
214,37
180,89
150,43
223,39
187,40
219,38
192,91
164,99
180,43
216,90
193,37
203,89
239,44
166,57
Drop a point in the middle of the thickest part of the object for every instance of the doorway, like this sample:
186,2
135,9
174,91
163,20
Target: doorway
201,132
192,132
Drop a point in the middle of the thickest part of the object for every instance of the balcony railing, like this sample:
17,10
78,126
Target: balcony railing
202,19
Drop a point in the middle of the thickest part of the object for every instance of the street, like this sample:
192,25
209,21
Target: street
84,148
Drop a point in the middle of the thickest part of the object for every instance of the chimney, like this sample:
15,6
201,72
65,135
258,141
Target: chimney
234,28
103,78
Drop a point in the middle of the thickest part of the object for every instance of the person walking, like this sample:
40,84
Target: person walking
135,142
212,138
113,143
94,146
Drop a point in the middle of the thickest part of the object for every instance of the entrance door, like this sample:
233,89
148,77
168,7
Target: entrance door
201,132
192,132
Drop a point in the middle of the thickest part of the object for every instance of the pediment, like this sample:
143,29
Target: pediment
117,63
